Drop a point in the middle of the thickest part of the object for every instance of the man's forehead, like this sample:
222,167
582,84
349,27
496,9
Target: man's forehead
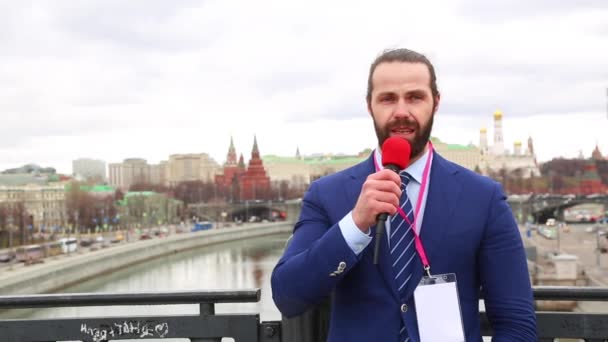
396,73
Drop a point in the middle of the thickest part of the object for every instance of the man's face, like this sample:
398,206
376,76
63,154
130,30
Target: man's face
402,103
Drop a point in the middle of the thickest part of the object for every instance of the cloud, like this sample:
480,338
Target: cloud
114,79
516,10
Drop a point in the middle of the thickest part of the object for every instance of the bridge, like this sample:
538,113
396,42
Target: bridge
208,326
539,206
544,206
244,211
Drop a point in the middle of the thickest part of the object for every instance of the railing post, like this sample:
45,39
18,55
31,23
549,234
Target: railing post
270,331
311,326
206,309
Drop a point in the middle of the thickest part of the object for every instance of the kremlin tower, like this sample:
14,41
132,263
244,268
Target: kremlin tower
496,158
499,146
483,141
255,182
596,154
239,182
229,181
591,182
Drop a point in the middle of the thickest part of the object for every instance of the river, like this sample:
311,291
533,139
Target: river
237,265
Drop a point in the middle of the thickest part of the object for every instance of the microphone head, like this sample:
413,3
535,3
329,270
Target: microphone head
396,151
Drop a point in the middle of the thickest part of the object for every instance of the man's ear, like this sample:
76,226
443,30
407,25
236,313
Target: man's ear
437,100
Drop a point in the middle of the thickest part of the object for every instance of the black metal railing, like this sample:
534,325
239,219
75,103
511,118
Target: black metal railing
591,327
205,327
208,326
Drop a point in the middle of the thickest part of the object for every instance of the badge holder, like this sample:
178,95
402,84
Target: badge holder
438,309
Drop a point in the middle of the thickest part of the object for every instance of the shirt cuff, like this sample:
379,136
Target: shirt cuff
354,237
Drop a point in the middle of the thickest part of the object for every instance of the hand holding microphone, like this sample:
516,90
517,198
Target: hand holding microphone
381,191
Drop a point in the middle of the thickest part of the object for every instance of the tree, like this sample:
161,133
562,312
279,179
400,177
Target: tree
85,210
160,188
119,195
194,191
14,215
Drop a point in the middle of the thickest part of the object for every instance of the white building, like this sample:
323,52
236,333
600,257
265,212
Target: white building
86,168
496,157
44,205
134,171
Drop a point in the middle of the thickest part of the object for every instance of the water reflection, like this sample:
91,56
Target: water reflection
238,265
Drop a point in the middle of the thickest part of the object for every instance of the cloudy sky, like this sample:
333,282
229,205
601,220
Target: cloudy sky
113,79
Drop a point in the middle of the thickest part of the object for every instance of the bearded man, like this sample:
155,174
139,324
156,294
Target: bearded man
461,228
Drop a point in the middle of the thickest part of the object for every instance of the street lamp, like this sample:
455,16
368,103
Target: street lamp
10,220
75,226
598,248
10,237
224,214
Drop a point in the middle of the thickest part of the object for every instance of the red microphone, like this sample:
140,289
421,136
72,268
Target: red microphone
395,156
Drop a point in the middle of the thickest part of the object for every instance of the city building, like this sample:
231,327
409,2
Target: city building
21,179
238,182
28,174
190,167
31,169
495,158
158,173
301,170
89,169
468,156
130,171
43,205
136,171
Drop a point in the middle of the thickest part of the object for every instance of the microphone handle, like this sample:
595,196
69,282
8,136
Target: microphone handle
380,227
381,220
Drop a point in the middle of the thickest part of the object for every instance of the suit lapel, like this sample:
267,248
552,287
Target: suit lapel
358,177
441,199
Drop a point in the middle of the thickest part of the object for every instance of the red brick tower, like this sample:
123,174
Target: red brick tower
228,183
591,182
255,183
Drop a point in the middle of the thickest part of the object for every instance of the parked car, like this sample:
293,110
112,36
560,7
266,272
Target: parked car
68,245
86,241
30,254
202,226
7,256
118,237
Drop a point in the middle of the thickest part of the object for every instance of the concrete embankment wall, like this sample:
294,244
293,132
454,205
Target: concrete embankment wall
63,271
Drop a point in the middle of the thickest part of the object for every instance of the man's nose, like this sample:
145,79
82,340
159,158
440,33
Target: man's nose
401,109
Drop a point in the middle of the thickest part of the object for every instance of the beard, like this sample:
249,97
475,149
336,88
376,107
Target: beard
421,138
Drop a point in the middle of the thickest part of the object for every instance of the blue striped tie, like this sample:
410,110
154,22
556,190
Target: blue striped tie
402,247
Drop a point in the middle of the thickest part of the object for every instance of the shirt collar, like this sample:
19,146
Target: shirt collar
415,169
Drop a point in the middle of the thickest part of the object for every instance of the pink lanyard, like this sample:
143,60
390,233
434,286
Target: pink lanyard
417,241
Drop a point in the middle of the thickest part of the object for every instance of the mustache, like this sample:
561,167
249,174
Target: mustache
402,122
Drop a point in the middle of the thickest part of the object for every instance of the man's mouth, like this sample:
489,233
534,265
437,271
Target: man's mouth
402,130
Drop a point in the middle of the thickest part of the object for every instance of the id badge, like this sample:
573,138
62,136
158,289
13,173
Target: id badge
438,309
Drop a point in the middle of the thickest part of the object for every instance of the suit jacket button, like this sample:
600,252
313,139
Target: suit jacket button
404,308
342,266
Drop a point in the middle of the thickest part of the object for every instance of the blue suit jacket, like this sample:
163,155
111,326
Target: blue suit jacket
468,229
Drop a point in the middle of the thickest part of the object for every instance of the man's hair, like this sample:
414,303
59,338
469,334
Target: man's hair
405,56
